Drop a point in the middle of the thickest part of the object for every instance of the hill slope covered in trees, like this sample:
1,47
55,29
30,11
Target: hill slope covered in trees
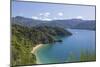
64,23
25,38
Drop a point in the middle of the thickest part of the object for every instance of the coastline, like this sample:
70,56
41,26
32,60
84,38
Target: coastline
35,48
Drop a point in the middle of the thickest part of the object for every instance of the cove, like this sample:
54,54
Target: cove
69,50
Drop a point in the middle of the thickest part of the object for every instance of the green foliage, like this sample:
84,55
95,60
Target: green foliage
24,39
86,56
39,34
21,52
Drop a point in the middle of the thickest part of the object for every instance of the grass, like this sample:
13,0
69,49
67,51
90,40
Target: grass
84,56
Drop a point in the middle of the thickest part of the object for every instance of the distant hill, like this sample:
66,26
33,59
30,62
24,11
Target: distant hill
25,21
72,23
63,23
68,23
91,25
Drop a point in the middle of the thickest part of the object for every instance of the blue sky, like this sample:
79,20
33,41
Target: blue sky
47,11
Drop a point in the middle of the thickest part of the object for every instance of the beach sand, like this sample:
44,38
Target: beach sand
35,48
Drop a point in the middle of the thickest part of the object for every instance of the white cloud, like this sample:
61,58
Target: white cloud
55,18
35,17
40,14
47,19
39,18
46,14
79,17
60,14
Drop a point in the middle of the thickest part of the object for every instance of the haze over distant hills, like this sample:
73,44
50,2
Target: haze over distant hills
68,23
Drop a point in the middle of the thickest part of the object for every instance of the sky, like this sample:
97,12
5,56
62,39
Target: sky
50,11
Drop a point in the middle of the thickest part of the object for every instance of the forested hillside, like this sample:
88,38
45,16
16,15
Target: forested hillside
24,39
65,23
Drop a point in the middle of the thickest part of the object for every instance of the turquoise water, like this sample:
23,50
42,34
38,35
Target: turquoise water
69,50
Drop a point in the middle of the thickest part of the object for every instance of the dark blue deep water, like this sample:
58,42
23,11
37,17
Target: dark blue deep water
69,50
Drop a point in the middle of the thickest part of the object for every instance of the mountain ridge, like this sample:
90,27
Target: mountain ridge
66,23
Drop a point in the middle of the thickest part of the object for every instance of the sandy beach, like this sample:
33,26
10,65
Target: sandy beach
35,48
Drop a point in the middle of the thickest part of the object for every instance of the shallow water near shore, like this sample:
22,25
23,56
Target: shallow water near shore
69,50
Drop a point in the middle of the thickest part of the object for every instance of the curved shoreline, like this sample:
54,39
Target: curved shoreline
35,48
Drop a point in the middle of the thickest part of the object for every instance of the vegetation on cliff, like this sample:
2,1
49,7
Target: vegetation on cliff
24,39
